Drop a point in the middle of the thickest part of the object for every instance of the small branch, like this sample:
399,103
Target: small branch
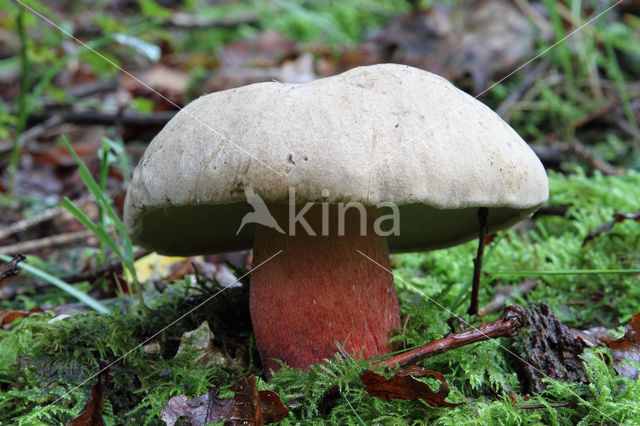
47,242
187,21
32,221
592,115
578,148
608,226
505,326
477,262
552,405
107,268
126,118
530,79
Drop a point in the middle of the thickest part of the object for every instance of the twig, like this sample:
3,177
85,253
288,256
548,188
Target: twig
505,326
536,17
607,226
44,216
530,79
592,115
128,118
37,130
51,241
93,88
93,274
552,405
502,294
188,21
576,147
477,262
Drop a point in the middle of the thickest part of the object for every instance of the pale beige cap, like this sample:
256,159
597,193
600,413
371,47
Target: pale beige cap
381,133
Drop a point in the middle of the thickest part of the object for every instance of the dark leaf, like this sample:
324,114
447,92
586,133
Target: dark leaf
11,268
627,348
403,386
6,317
249,406
92,414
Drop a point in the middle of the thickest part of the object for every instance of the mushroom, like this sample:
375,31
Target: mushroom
331,176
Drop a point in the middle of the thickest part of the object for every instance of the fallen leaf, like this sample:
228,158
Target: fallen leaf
6,317
627,348
166,85
249,406
155,266
403,386
200,340
92,414
268,49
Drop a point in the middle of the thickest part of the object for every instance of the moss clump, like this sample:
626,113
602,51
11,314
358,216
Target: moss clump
47,368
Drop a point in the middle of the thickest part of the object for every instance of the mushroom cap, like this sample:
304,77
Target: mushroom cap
380,133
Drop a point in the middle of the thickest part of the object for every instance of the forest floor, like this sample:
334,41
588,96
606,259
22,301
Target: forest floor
78,344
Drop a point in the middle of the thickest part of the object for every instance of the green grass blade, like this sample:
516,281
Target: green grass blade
81,296
103,202
88,223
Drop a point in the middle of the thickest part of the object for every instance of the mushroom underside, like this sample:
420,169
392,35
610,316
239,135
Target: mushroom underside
196,229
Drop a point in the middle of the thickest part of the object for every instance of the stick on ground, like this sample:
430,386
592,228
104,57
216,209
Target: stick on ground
505,326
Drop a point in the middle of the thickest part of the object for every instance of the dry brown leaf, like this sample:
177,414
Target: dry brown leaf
92,414
6,317
171,83
403,386
200,340
627,348
249,406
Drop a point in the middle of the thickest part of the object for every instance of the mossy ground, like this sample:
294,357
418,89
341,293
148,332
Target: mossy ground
43,362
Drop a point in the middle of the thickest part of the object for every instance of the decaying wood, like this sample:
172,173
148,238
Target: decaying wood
550,348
